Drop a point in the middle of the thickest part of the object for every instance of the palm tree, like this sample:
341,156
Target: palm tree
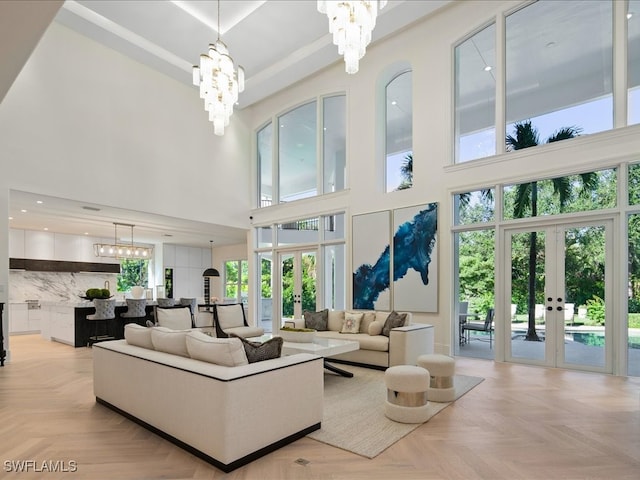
406,170
526,198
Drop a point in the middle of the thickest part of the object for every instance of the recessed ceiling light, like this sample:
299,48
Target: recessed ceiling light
93,209
487,68
394,103
46,229
39,202
23,211
86,233
10,218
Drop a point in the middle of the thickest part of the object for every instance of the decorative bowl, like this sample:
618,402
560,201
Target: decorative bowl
298,336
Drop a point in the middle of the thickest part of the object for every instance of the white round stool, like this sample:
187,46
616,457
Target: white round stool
441,368
407,387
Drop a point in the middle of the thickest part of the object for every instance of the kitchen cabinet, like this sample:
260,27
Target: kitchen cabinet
18,318
61,324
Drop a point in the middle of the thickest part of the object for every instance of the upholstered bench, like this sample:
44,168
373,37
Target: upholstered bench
441,369
407,387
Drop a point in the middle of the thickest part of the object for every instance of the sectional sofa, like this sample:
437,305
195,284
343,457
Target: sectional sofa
227,415
400,345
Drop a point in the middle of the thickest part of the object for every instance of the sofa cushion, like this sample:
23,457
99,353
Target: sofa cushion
173,318
170,341
351,323
375,328
336,317
221,351
138,335
317,320
259,351
367,319
394,320
382,316
367,342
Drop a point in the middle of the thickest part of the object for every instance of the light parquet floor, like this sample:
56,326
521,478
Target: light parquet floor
520,423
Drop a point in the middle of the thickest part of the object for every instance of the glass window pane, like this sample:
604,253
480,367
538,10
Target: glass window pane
634,184
399,133
559,63
475,96
265,237
475,207
334,143
334,227
297,153
265,165
334,277
633,327
574,193
633,60
298,231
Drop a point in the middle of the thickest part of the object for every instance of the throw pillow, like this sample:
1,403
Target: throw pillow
138,335
318,320
336,317
394,320
170,341
257,351
375,328
367,319
221,351
230,316
351,322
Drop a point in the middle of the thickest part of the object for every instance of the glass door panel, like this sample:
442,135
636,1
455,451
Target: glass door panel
297,283
560,285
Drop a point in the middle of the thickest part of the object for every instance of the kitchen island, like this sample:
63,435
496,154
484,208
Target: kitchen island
67,323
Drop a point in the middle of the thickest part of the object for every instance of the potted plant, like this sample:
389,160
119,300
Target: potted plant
100,293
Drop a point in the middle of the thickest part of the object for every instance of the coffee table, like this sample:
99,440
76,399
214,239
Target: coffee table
324,347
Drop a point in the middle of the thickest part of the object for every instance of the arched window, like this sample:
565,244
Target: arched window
399,132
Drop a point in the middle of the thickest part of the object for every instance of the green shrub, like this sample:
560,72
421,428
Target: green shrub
595,310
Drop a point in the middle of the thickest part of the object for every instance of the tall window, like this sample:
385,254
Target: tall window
633,60
297,153
236,281
399,133
265,165
305,154
559,66
475,96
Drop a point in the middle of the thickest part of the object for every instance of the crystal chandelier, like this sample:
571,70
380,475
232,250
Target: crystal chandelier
219,82
122,250
351,23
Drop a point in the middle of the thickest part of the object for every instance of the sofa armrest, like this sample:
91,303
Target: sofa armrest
407,343
294,323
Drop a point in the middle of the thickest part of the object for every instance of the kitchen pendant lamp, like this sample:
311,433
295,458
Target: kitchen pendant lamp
209,272
123,250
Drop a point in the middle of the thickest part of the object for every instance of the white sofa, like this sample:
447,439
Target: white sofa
403,346
229,416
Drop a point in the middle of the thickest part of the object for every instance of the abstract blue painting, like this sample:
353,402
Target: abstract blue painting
415,259
414,262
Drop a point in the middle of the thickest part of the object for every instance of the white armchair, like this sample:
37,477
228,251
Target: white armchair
230,318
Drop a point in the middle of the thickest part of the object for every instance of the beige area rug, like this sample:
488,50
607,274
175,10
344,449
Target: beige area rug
354,417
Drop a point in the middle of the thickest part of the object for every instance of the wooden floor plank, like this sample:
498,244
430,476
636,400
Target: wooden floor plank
521,422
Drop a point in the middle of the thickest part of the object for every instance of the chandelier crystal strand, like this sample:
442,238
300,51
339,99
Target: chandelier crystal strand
219,82
351,23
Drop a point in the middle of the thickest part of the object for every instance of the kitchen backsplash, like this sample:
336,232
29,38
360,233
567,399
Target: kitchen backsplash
56,286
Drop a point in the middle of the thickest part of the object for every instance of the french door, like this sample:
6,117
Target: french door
554,325
298,284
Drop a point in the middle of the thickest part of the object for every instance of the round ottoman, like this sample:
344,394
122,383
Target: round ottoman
441,368
407,387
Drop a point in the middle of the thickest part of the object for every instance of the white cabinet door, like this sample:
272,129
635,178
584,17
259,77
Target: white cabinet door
45,322
34,318
62,324
18,318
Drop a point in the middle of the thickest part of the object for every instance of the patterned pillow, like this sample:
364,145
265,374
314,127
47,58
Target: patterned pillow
318,320
394,320
257,351
351,322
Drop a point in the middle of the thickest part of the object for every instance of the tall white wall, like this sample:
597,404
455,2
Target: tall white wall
428,47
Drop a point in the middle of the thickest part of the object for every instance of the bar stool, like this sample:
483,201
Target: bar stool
105,311
136,310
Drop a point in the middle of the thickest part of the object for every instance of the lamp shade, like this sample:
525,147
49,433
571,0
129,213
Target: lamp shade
211,272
